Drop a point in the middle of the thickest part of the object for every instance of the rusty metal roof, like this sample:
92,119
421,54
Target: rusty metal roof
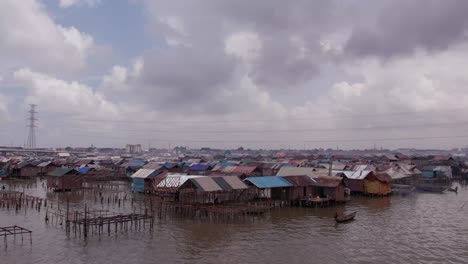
244,169
328,181
382,176
300,180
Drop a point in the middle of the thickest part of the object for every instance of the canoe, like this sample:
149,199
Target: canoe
341,218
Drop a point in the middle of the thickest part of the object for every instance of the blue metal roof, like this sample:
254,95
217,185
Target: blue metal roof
199,167
269,182
227,163
169,165
83,169
136,163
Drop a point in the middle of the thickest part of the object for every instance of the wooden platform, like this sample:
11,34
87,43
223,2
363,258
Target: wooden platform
13,231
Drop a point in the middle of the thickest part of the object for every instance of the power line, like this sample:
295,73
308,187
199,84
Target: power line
233,131
191,121
278,141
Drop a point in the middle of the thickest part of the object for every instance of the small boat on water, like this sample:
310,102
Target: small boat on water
342,218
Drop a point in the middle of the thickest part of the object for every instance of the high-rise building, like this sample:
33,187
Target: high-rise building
133,148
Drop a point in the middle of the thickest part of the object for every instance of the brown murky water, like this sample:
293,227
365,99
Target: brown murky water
422,228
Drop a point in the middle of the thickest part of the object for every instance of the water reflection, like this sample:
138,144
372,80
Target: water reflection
419,228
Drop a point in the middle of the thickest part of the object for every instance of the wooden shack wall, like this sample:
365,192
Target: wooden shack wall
46,170
29,171
377,187
72,181
299,192
356,186
282,193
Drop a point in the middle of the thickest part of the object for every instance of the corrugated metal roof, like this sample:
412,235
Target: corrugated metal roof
364,167
269,182
199,167
294,171
328,181
60,172
44,164
205,184
300,180
136,163
145,174
152,165
228,169
244,169
230,183
175,180
23,164
382,176
83,169
357,175
217,167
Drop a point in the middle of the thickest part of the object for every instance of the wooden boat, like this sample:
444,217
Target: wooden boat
341,218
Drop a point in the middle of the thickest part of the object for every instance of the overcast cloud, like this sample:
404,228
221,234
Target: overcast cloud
221,73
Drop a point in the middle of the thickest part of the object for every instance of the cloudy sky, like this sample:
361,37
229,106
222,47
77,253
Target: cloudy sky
222,73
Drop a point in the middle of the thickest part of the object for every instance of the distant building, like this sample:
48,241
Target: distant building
133,148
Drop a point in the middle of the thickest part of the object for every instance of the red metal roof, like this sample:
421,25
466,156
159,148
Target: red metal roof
244,169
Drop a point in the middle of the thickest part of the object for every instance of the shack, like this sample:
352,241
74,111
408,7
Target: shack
25,169
200,190
270,187
170,184
234,189
144,179
303,186
403,173
330,187
378,183
354,180
133,166
46,167
64,179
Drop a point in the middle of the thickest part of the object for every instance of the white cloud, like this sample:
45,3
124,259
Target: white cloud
33,39
120,79
244,45
70,3
58,96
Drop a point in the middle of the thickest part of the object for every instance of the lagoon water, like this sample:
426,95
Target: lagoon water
421,228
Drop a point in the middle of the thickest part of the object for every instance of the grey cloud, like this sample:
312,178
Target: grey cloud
188,76
201,68
403,26
280,67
